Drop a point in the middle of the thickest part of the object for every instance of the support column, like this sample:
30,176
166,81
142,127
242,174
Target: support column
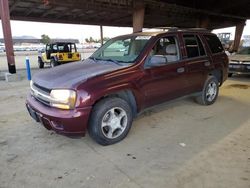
5,18
238,33
138,16
101,32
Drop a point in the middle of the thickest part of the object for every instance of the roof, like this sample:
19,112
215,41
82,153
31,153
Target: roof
180,13
60,43
169,30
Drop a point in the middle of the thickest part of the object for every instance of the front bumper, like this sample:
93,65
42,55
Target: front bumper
68,122
239,68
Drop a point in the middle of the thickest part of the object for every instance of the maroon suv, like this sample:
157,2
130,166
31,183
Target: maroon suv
125,76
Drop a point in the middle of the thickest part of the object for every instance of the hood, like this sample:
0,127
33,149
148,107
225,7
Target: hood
66,76
239,57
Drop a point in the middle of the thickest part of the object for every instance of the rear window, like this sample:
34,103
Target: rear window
214,43
193,46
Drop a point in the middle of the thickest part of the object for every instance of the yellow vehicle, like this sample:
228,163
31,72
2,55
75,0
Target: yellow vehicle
58,53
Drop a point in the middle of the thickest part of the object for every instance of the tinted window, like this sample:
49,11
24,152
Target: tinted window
201,48
214,43
193,46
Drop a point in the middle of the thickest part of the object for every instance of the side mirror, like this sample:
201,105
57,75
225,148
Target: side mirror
157,60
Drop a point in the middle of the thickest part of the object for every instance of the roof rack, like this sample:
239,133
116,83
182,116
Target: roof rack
177,28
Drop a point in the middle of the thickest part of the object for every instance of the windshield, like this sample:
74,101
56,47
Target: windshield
244,51
122,50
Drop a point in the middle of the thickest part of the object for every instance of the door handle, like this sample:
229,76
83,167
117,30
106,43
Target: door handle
207,63
180,70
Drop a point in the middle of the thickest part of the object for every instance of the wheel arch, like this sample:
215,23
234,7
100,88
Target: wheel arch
40,58
125,94
217,74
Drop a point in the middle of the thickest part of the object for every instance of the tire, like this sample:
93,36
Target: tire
110,121
230,74
210,91
53,63
40,63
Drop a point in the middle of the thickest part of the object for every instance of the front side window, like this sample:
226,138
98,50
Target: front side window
122,50
165,51
214,43
48,47
193,46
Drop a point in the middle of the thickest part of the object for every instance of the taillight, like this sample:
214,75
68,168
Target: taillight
60,57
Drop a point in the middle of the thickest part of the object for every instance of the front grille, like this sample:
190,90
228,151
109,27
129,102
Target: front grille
40,93
42,88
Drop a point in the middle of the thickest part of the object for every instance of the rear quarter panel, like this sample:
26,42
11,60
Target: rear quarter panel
220,60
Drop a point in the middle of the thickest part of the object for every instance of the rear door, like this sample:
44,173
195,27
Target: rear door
198,63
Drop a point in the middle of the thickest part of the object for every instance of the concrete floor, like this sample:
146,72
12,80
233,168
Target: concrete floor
180,144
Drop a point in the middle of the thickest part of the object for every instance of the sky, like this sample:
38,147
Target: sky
36,29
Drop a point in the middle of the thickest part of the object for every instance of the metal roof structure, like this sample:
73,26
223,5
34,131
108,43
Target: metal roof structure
209,14
158,13
37,41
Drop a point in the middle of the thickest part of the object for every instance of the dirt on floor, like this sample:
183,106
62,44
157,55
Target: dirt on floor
178,144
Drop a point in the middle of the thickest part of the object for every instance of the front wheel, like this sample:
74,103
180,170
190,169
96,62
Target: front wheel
110,121
210,91
230,74
40,63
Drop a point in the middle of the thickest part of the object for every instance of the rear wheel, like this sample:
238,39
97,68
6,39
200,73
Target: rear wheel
230,74
53,62
110,121
210,91
40,63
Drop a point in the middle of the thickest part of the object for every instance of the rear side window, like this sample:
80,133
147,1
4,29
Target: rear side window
214,43
193,46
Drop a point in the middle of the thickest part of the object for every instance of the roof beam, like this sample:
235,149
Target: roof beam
14,5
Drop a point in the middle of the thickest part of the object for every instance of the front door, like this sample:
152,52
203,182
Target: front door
164,74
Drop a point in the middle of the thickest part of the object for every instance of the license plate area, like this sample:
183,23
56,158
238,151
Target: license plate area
33,114
235,66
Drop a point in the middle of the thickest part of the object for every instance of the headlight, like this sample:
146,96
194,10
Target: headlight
63,98
31,83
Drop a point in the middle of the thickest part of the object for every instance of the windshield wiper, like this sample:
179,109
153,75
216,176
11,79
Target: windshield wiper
113,61
93,58
109,60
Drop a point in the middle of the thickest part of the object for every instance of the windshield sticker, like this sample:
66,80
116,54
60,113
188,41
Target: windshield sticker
142,37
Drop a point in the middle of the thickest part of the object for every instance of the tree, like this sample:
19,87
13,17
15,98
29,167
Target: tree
91,40
105,39
45,39
87,40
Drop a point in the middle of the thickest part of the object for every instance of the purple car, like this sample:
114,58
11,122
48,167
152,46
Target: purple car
104,93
